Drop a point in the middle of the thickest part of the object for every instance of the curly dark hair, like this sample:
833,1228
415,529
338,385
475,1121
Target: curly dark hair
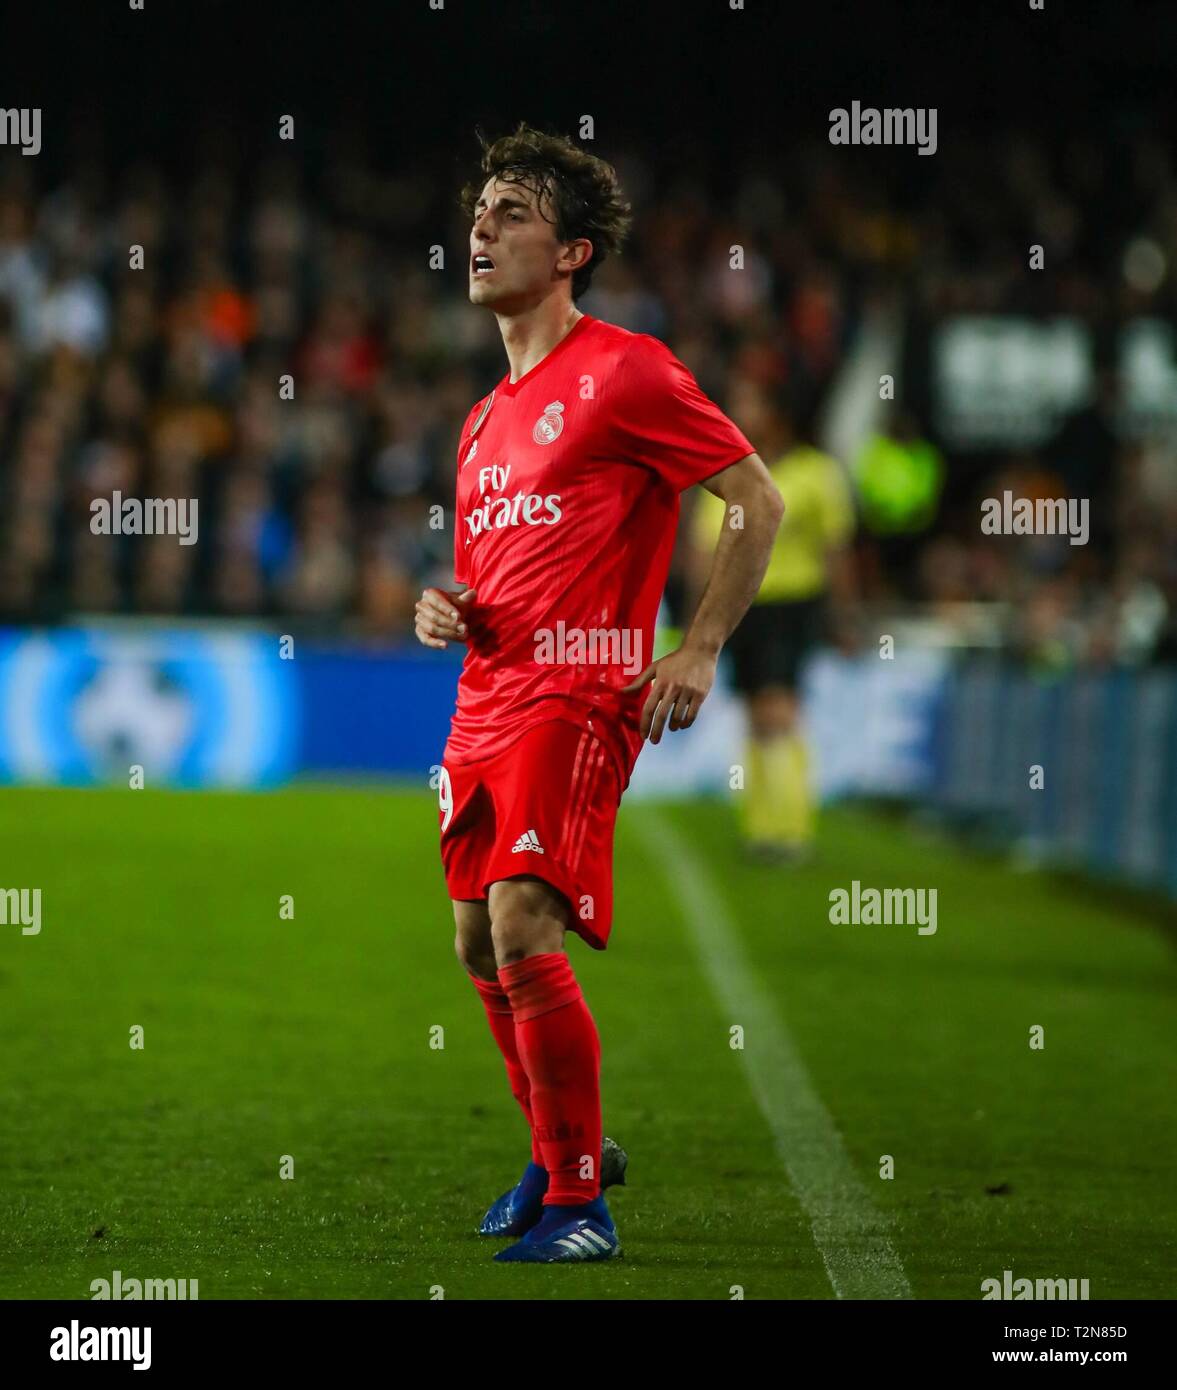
581,190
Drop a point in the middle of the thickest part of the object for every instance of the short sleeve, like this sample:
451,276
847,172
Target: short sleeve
663,421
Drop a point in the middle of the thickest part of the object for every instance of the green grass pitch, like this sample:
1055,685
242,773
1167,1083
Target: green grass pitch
310,1037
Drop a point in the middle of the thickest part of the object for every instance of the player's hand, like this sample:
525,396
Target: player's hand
441,617
682,681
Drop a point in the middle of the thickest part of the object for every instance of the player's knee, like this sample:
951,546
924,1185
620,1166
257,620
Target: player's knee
472,941
773,711
517,938
527,918
476,957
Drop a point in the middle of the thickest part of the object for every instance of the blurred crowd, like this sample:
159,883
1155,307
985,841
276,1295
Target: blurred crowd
164,381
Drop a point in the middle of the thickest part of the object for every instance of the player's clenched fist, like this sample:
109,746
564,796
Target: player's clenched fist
441,617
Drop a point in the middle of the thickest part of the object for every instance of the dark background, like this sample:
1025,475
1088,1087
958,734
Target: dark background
1054,127
698,81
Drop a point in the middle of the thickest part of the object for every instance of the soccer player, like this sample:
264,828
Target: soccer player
808,585
569,475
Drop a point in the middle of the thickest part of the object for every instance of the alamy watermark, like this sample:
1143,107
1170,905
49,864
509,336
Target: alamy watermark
153,516
78,1343
886,906
594,646
1044,516
1007,1287
21,907
867,125
21,125
117,1287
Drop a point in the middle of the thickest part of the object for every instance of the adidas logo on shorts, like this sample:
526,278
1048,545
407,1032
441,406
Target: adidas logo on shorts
529,841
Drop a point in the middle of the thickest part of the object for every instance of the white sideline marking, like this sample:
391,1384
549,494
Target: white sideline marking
851,1235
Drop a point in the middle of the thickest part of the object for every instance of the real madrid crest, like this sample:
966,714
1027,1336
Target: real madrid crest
550,424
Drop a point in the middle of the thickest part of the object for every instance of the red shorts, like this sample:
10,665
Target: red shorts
546,807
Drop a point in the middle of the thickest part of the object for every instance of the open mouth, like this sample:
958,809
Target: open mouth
481,265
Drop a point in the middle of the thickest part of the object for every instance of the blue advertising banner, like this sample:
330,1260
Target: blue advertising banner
192,709
1078,769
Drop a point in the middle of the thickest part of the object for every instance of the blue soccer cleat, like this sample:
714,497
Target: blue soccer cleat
567,1235
517,1211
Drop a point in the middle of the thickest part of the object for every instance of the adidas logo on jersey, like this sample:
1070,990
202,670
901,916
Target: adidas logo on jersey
526,841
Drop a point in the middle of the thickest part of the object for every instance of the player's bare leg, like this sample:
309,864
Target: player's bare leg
778,812
774,710
473,943
528,918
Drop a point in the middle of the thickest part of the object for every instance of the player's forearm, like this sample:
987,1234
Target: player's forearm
737,571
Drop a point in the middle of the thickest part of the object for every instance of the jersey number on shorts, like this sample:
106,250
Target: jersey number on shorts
445,798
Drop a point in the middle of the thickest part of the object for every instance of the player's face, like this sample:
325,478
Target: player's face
519,244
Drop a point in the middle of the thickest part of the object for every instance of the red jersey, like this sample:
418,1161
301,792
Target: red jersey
567,508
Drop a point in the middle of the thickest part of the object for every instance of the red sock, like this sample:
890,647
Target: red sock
559,1048
502,1025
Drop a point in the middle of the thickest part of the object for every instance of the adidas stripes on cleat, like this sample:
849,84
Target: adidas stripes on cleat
567,1235
517,1211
